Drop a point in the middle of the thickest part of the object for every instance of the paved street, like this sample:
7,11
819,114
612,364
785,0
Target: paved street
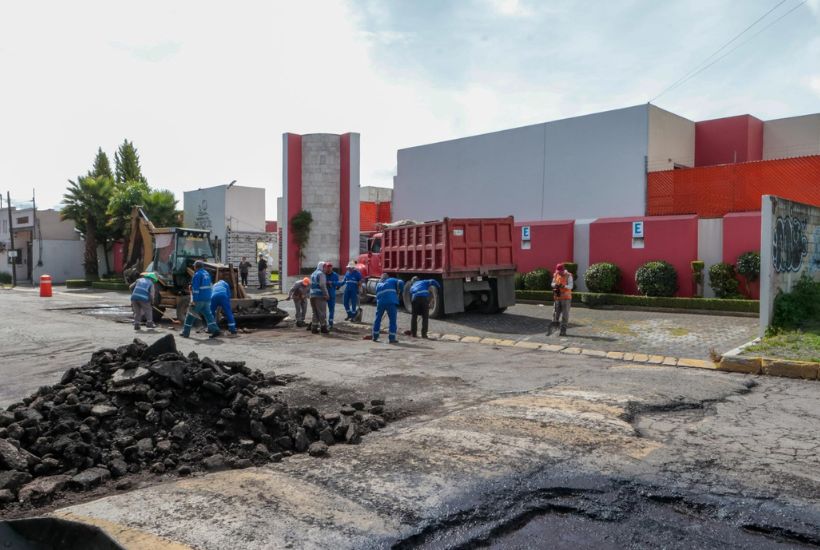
504,447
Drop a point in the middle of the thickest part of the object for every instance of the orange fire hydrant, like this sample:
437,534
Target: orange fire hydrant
45,286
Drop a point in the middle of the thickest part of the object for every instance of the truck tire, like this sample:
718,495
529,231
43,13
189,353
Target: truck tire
407,299
436,303
364,297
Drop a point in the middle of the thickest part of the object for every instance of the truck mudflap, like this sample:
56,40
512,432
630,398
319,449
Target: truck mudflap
52,534
264,311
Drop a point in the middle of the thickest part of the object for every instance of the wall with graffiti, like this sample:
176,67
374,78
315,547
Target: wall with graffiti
790,248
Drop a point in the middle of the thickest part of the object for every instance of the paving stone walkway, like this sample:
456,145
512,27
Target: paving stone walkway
668,334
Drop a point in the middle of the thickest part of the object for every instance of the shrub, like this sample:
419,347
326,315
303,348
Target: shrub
799,307
748,265
602,277
723,281
519,281
538,279
657,278
5,278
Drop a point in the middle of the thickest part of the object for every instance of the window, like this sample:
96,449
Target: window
22,221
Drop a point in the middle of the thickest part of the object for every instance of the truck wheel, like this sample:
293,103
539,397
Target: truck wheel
364,298
436,303
407,299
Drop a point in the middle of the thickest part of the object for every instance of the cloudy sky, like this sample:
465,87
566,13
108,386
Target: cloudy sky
205,89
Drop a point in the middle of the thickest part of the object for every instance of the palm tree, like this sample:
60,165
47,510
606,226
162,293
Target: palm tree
161,208
85,203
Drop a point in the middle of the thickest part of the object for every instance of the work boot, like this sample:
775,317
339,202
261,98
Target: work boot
215,334
324,330
137,327
563,331
425,336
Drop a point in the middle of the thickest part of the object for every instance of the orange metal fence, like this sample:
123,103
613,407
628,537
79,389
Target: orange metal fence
713,191
373,213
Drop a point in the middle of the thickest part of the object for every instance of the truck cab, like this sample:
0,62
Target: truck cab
175,250
370,263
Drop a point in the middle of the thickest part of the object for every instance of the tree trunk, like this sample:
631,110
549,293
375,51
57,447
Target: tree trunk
106,249
92,271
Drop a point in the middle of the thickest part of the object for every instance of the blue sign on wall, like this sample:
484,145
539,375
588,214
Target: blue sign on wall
637,230
525,232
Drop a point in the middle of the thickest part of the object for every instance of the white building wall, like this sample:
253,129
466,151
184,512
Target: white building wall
245,208
205,209
580,251
671,140
791,137
370,193
710,248
320,195
62,259
583,167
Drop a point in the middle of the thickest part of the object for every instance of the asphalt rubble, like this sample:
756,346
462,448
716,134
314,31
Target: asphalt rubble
149,409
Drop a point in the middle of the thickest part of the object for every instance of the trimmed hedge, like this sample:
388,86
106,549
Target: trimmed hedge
572,267
109,285
723,281
519,281
5,278
602,277
538,279
593,299
657,278
78,283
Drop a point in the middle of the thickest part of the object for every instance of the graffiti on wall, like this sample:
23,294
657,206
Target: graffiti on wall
203,219
789,244
814,266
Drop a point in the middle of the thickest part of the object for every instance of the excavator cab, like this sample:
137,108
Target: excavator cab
175,251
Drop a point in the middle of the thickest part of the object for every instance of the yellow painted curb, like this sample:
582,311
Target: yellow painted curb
619,355
640,358
451,338
527,345
471,340
490,341
696,364
509,343
790,369
571,351
433,335
670,361
593,353
629,357
552,347
655,359
746,365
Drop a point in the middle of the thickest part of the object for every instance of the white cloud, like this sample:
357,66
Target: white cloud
511,8
814,84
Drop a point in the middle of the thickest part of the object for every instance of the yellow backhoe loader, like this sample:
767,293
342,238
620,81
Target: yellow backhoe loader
170,253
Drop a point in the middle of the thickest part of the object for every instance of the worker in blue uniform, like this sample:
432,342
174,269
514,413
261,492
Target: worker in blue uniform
388,291
352,283
420,299
201,289
319,296
221,297
142,299
333,285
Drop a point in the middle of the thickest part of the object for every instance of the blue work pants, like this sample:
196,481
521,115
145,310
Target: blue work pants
392,315
222,300
201,308
351,301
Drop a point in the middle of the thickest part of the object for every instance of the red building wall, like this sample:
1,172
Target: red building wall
670,238
741,233
728,140
551,242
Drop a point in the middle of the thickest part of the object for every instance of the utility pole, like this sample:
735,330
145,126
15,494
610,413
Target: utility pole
11,238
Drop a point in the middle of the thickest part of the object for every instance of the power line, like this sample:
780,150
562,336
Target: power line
699,67
735,48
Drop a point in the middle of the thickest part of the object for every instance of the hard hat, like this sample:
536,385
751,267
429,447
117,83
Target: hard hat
152,276
306,281
351,264
559,267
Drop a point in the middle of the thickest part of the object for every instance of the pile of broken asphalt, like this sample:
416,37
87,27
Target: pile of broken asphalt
150,409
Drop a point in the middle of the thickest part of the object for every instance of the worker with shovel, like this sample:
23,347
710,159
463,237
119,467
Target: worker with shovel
142,299
562,284
387,301
201,289
352,283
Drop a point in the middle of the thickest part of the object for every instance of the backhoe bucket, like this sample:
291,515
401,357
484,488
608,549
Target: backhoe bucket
263,311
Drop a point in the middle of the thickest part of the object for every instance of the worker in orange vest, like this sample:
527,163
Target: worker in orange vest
562,284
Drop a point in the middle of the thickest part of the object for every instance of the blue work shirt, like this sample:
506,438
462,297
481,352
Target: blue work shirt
352,279
201,286
221,288
388,291
142,290
332,285
318,285
421,289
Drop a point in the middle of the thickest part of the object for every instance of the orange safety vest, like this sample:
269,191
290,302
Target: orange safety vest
558,279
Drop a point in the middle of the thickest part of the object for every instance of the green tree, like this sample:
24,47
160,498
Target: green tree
85,203
127,164
161,208
102,168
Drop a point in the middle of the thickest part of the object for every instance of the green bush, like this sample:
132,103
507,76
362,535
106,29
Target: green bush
519,281
748,265
723,281
799,307
109,285
538,279
5,278
657,278
78,283
602,277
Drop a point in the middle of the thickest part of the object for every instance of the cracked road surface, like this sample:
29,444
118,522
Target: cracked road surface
497,447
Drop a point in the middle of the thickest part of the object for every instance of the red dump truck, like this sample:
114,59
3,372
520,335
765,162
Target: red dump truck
473,259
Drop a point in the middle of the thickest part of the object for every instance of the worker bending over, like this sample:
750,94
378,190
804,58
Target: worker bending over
221,297
420,300
352,282
388,291
201,289
142,299
318,300
333,285
562,284
299,294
